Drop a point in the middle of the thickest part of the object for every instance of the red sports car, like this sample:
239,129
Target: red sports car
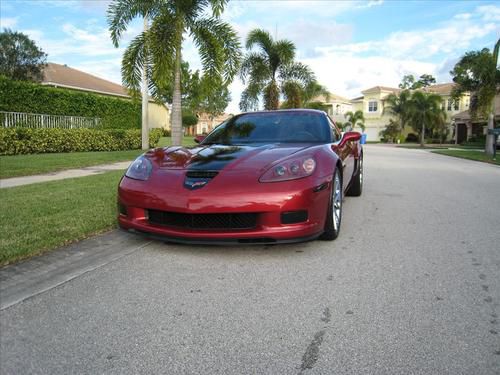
259,177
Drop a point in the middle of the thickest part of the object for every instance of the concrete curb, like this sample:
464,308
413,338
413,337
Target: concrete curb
19,282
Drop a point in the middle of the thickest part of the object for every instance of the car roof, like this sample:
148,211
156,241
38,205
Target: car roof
296,110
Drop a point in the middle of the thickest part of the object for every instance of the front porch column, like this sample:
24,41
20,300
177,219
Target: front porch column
469,129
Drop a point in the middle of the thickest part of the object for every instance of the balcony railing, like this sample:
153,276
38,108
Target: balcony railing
36,120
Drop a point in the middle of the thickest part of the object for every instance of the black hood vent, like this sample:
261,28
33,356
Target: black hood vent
201,174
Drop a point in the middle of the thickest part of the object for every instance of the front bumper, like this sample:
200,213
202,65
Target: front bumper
268,201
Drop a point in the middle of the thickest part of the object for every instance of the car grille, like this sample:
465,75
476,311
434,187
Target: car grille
204,221
201,174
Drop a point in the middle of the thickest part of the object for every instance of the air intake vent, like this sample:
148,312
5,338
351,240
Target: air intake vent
201,174
204,221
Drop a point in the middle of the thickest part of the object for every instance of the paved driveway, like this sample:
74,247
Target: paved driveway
411,286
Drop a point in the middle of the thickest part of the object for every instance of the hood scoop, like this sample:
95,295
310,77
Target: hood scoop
201,174
196,179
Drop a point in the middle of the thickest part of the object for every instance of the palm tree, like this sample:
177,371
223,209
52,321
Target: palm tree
300,95
158,49
356,118
477,72
425,111
399,106
269,70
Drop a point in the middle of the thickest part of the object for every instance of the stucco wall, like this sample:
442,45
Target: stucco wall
158,116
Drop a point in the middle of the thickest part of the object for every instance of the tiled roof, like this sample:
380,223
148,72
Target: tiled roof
333,97
441,88
380,88
64,76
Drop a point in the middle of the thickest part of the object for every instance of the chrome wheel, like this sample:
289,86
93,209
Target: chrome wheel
337,201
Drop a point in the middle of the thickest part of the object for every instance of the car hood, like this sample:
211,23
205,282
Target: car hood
228,157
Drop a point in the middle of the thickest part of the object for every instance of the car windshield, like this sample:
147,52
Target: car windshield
272,127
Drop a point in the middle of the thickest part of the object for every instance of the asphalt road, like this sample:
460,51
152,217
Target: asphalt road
411,286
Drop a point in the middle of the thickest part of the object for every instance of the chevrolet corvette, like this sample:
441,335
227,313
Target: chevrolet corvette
258,178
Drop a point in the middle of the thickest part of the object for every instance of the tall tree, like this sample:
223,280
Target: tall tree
477,72
267,71
399,106
159,48
20,57
425,112
410,83
407,82
356,119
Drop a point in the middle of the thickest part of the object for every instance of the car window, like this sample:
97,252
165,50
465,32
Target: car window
336,134
272,127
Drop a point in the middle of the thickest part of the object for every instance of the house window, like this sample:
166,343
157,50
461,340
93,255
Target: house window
449,104
372,106
443,105
456,105
466,103
337,109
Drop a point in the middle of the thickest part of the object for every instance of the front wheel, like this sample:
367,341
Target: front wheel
356,187
334,212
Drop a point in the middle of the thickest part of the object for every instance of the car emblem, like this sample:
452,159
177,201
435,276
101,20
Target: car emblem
195,184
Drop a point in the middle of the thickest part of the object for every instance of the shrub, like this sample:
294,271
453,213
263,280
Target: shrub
14,141
27,97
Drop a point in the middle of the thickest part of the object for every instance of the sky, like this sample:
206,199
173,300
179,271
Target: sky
350,45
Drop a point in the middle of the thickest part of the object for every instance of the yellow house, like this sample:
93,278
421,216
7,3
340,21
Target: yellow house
373,103
58,75
337,106
206,123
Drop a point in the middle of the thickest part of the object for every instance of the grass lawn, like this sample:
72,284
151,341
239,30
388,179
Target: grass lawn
27,165
39,217
186,141
470,154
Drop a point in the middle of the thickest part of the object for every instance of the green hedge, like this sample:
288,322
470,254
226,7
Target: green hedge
28,97
15,141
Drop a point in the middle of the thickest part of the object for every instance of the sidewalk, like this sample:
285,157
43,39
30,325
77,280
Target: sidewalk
61,175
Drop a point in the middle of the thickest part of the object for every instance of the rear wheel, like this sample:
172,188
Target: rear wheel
356,187
334,212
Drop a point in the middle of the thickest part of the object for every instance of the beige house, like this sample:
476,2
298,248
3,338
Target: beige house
467,128
206,123
57,75
337,106
373,103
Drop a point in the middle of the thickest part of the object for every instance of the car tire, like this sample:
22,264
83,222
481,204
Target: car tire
356,187
334,212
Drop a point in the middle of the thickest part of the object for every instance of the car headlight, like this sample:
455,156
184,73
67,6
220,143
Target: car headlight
291,169
140,169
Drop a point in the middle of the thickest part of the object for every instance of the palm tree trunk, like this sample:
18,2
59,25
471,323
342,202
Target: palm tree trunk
176,101
145,100
422,139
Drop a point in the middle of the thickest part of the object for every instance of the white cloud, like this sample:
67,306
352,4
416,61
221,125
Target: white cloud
463,16
489,13
8,22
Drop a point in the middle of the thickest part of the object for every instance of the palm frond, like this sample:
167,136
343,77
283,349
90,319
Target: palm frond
296,71
260,38
250,97
121,12
285,50
133,61
255,66
218,46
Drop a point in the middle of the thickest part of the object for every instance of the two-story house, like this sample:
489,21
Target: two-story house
336,106
373,104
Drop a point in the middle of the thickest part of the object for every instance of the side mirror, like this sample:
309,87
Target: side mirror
199,138
349,137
